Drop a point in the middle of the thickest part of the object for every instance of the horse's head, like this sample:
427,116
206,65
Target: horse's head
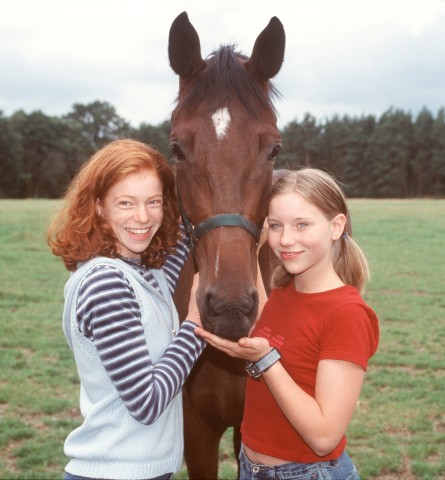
225,139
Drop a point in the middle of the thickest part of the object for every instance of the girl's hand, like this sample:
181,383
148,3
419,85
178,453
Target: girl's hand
251,349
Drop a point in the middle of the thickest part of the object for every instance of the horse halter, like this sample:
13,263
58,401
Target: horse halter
220,220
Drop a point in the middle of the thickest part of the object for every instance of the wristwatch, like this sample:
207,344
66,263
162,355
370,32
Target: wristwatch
255,369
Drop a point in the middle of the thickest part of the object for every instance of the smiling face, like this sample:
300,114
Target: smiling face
301,236
134,210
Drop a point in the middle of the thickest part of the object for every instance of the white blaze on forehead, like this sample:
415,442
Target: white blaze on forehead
221,121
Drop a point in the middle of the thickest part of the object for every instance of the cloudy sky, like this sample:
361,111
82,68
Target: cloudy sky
342,56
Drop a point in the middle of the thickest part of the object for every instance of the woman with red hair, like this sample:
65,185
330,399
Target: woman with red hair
119,235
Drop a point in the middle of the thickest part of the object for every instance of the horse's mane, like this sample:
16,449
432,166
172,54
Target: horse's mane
224,76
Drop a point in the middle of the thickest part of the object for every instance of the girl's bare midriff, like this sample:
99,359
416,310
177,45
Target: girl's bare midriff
261,459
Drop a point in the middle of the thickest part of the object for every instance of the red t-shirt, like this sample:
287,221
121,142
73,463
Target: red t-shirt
305,328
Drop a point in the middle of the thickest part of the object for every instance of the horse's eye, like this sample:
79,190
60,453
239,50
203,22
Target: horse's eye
275,151
177,152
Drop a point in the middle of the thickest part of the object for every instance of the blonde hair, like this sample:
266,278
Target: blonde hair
322,191
78,233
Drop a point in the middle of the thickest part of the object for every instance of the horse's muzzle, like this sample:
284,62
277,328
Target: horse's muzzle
230,318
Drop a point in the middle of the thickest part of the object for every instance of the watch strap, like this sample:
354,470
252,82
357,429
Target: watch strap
268,360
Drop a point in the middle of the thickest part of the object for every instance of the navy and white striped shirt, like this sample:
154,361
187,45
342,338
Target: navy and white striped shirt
108,315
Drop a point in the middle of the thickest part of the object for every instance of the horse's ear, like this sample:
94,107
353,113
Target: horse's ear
268,51
184,48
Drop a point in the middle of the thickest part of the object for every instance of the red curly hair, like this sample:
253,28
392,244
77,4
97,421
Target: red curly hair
78,233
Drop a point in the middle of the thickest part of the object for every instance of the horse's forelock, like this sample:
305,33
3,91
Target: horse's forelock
224,76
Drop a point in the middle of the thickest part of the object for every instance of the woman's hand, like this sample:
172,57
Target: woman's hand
193,311
251,349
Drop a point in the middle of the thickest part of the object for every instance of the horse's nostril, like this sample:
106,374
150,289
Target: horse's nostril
212,303
253,300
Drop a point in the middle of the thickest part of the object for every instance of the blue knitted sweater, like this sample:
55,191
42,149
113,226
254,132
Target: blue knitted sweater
111,442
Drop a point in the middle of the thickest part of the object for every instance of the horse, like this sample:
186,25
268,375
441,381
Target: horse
225,139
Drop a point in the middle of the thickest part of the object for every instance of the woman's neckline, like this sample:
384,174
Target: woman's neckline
133,261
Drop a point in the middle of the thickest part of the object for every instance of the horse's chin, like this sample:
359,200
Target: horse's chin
229,328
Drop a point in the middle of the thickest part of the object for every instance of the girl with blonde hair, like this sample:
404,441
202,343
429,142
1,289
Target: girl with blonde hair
308,353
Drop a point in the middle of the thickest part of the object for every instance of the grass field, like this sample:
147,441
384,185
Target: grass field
398,431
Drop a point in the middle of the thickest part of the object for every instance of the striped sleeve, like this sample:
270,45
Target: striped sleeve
108,315
174,263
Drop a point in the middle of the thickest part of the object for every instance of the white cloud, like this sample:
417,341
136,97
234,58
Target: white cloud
345,57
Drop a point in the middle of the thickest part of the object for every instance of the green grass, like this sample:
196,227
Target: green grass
399,428
398,431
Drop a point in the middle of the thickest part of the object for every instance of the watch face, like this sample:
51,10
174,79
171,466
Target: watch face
253,370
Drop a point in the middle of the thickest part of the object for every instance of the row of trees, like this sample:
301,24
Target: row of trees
392,156
395,155
40,154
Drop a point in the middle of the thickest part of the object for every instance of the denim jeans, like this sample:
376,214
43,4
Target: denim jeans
69,476
341,468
